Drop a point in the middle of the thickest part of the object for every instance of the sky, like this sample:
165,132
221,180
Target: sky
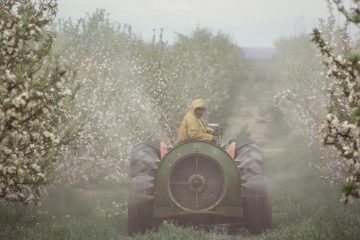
249,23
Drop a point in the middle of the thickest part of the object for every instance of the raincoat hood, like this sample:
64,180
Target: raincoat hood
196,104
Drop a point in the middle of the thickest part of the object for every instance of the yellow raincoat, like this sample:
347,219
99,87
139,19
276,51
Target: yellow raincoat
193,128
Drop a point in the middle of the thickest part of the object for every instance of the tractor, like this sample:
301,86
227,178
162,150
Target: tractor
198,183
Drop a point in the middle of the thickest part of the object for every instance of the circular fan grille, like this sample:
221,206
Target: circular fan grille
196,182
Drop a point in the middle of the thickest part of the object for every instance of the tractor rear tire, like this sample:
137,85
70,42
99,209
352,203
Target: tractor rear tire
143,165
257,205
255,189
249,159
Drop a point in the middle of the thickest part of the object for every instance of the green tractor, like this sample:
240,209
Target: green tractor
199,183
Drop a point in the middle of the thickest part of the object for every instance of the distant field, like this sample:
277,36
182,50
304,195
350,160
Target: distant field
259,53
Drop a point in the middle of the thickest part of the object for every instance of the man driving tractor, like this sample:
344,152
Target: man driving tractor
193,127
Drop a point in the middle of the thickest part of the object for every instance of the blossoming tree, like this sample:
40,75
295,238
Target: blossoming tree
32,97
305,93
341,128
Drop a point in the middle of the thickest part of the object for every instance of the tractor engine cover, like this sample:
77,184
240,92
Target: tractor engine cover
197,182
196,178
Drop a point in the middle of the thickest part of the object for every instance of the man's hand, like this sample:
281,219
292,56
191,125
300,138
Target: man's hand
216,132
214,138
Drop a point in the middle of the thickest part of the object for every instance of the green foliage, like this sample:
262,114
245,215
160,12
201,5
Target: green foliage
216,65
350,189
355,115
